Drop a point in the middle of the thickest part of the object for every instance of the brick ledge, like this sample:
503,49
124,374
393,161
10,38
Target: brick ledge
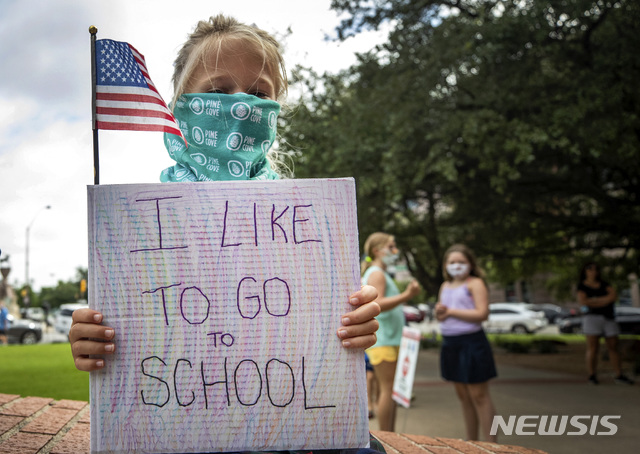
395,443
37,425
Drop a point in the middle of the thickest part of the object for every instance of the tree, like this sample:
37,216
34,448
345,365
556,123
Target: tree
64,292
511,126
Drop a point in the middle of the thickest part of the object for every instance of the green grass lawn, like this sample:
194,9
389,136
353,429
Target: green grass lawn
44,370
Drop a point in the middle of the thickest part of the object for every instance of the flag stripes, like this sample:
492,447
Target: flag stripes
126,98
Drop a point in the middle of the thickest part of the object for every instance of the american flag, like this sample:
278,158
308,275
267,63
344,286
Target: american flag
126,98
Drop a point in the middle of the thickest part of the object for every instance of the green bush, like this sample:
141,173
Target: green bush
514,343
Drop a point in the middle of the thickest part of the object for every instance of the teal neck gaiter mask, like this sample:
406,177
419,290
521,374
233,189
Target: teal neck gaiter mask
228,136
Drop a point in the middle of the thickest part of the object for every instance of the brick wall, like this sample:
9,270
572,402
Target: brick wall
30,425
420,444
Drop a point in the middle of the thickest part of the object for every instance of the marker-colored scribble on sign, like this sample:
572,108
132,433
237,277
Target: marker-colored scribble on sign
226,298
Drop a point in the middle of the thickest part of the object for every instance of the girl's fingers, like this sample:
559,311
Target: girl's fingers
365,295
361,314
80,331
363,342
84,352
86,316
88,364
84,348
346,333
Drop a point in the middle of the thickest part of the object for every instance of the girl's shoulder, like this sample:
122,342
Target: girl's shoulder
474,282
371,271
446,285
453,285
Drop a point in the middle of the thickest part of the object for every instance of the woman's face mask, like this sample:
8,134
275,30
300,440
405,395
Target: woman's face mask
457,269
391,256
390,259
228,136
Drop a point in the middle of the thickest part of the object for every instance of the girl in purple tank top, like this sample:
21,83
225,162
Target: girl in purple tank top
466,358
458,298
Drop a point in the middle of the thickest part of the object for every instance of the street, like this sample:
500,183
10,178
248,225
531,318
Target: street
51,336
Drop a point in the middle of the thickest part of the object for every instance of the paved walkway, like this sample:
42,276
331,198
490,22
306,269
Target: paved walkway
519,391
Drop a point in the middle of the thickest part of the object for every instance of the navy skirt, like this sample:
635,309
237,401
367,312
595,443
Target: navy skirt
467,358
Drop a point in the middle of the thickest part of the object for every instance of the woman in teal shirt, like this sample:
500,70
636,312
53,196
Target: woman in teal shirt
381,251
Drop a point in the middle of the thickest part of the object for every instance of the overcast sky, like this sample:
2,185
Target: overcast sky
45,107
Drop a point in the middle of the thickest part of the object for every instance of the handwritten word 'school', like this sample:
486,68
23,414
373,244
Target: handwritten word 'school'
276,380
287,224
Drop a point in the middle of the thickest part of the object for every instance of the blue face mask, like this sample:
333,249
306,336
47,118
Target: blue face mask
228,136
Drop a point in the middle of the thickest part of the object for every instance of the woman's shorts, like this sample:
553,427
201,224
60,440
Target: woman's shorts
385,353
467,358
598,325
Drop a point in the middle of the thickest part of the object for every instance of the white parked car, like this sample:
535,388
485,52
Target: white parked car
514,318
63,318
34,313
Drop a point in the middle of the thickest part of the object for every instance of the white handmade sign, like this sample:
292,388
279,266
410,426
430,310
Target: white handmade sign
406,368
226,298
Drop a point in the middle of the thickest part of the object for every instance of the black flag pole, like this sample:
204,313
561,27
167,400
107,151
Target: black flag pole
96,158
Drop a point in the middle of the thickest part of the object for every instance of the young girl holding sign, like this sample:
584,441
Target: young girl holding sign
466,358
223,64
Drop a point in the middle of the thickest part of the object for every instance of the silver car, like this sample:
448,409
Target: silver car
22,331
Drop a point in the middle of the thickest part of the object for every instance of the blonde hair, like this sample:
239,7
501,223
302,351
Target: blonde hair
475,270
208,36
375,241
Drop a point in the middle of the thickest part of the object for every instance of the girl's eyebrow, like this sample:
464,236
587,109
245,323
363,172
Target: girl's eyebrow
261,82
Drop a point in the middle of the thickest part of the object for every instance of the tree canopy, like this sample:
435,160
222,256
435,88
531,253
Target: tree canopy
64,292
511,126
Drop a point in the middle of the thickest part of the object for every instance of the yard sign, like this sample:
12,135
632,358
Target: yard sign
406,369
226,298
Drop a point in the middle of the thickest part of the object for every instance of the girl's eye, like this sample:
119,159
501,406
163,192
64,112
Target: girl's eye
216,90
260,95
